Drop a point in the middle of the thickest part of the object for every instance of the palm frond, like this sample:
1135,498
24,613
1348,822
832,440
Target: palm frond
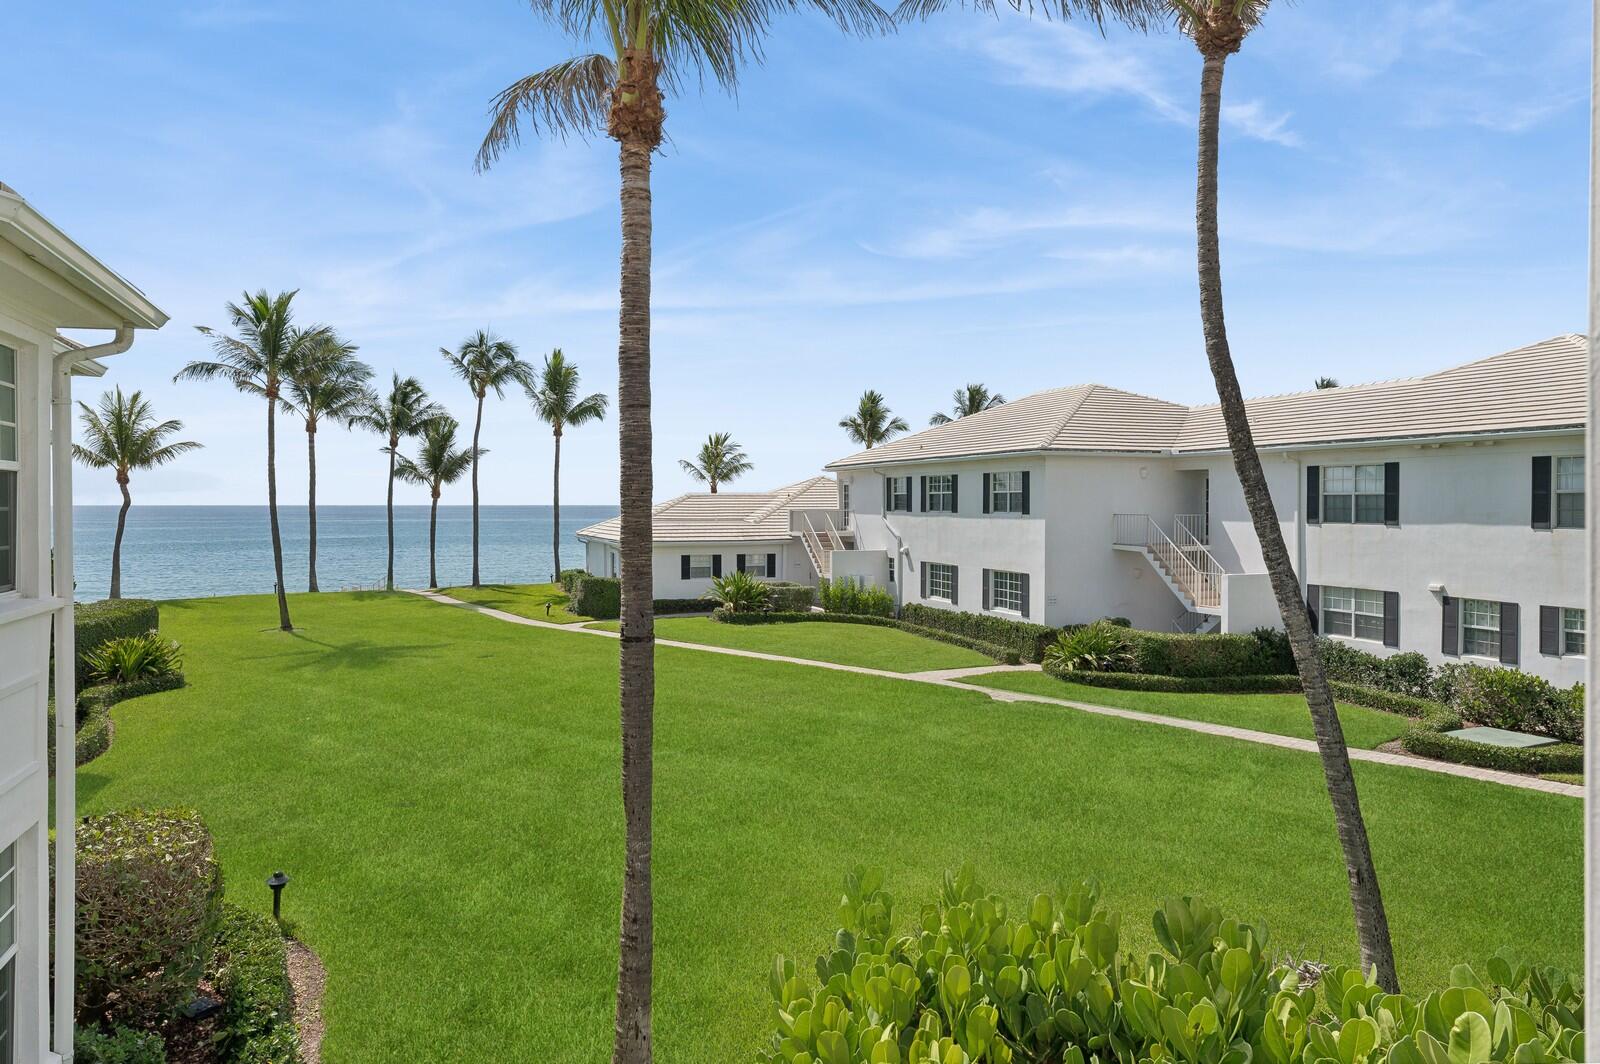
570,97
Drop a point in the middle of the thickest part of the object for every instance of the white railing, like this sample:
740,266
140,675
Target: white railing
814,543
1198,526
1190,566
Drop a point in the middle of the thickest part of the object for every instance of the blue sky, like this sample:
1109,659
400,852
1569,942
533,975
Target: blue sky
976,198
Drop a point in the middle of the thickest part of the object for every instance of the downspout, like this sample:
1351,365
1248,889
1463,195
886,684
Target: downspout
66,678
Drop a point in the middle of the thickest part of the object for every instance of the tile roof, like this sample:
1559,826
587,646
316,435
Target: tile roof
1539,386
729,516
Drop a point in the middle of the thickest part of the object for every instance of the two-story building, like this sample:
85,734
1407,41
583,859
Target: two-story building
1441,514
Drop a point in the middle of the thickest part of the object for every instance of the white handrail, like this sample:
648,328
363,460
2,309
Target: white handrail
1197,525
1191,566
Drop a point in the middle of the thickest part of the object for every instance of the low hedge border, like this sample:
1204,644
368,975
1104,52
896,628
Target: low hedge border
96,622
1027,640
93,736
664,607
106,695
1002,654
250,971
1350,693
1427,738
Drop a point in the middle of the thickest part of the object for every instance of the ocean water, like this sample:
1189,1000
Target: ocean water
190,551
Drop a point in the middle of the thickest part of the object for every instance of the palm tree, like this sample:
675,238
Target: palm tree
124,435
487,363
1322,383
649,44
405,411
554,395
1218,29
972,399
873,422
331,383
720,461
266,352
439,462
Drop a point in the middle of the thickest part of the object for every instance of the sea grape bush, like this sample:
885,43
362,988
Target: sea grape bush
975,983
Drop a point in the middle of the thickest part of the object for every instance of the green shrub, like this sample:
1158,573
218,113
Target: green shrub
667,606
853,595
123,1045
93,737
1097,647
788,597
1139,681
106,695
1426,738
569,579
1377,698
971,982
1405,674
599,597
1213,654
1518,701
1027,639
251,974
1001,654
132,658
739,592
1274,654
1120,622
148,894
98,622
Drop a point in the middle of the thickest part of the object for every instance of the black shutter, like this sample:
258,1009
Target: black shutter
738,563
1314,603
1025,494
1541,491
986,493
1550,630
772,567
1391,618
716,565
922,487
1026,612
888,493
1313,495
1450,635
1391,493
685,566
955,495
987,573
955,584
923,569
1510,636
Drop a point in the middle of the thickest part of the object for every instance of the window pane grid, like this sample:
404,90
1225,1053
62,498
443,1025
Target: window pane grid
699,566
941,581
1352,493
1352,611
1480,627
940,496
1005,591
1005,493
1574,631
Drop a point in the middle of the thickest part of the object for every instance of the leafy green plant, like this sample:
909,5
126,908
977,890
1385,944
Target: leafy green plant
1520,701
791,597
1097,647
599,597
739,592
99,622
1027,639
854,595
122,1045
971,983
133,658
250,972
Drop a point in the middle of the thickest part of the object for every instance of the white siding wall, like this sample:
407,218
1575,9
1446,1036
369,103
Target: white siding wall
669,582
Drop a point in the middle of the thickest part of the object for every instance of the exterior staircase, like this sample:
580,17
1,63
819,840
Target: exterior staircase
1181,560
821,537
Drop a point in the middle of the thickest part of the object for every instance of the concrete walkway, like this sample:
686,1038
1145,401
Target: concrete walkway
953,678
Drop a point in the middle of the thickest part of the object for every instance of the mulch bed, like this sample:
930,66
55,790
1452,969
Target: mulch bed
309,979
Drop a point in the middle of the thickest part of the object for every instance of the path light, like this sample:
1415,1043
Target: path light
277,881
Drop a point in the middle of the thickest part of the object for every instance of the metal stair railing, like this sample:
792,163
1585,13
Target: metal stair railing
1191,566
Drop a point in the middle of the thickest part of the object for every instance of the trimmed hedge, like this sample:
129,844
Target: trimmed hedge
98,622
250,971
1378,698
1002,654
789,597
1140,681
668,606
569,578
106,695
1426,738
599,597
93,735
1214,654
1027,639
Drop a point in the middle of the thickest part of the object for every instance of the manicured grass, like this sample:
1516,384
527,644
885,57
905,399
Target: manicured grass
1574,778
1279,714
524,600
846,644
442,789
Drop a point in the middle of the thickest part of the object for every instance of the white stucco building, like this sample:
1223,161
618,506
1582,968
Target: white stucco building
1441,514
47,282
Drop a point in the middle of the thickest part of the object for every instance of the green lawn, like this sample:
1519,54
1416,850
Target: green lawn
865,645
1279,714
524,600
442,789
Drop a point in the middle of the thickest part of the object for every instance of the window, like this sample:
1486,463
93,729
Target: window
700,566
941,494
8,953
1353,493
9,467
1353,611
756,564
1480,627
900,493
891,570
1005,493
844,495
1574,631
613,565
1005,591
941,581
1569,492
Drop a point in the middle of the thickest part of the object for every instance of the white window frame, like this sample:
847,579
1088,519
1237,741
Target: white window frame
1352,612
899,495
10,911
844,495
1557,491
1467,647
891,568
1010,593
756,564
941,578
698,571
1574,637
1349,482
941,493
1011,493
11,471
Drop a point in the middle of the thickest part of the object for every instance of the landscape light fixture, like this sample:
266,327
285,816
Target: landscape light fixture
277,881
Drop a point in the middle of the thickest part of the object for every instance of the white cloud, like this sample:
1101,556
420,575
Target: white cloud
1251,118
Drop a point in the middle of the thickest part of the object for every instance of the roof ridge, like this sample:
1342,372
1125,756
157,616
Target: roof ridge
1061,426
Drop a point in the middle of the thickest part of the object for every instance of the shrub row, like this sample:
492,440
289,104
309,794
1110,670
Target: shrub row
1140,681
790,597
599,597
668,606
1026,639
1427,738
106,695
99,622
568,579
1215,654
855,596
93,736
998,653
250,971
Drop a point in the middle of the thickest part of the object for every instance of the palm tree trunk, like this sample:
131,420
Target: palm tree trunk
272,505
433,538
311,501
713,485
555,517
116,547
477,426
388,579
637,669
1372,925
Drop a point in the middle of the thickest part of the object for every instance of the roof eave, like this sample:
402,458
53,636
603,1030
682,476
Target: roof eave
47,245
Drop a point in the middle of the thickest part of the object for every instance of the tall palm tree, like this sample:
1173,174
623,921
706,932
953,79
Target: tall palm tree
649,44
873,422
265,353
487,363
972,399
124,435
331,383
554,395
404,412
439,462
1218,29
720,461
